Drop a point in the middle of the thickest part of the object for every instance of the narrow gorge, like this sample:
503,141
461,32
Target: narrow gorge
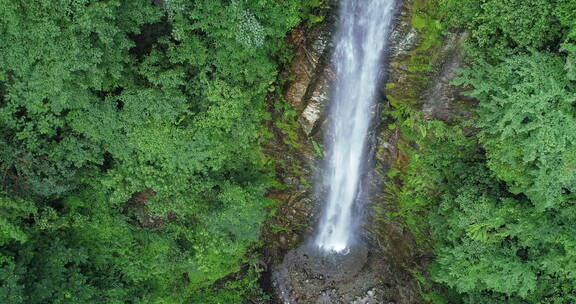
341,182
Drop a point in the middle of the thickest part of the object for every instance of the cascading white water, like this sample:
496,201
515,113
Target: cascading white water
359,47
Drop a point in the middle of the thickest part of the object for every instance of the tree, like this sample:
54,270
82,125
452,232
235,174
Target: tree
490,245
529,125
500,28
130,142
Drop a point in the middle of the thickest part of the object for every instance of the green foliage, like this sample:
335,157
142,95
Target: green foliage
490,245
493,198
421,63
129,138
233,291
528,125
57,65
566,12
12,212
425,19
504,27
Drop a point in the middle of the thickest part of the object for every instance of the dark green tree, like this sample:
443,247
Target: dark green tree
528,125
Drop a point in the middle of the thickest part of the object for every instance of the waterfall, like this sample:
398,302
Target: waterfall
359,47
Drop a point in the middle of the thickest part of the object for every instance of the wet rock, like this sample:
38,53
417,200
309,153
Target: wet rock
386,149
316,105
295,239
402,39
330,266
307,64
442,96
310,276
308,91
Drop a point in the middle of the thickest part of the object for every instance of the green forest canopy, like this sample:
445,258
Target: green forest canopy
131,169
495,196
129,134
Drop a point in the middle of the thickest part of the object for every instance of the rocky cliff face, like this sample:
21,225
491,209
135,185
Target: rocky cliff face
423,61
296,144
419,74
308,92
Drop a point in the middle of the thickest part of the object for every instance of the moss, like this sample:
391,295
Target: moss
317,149
316,12
288,125
422,62
277,228
419,21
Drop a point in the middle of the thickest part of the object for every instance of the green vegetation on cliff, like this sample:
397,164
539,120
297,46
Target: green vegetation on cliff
494,197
